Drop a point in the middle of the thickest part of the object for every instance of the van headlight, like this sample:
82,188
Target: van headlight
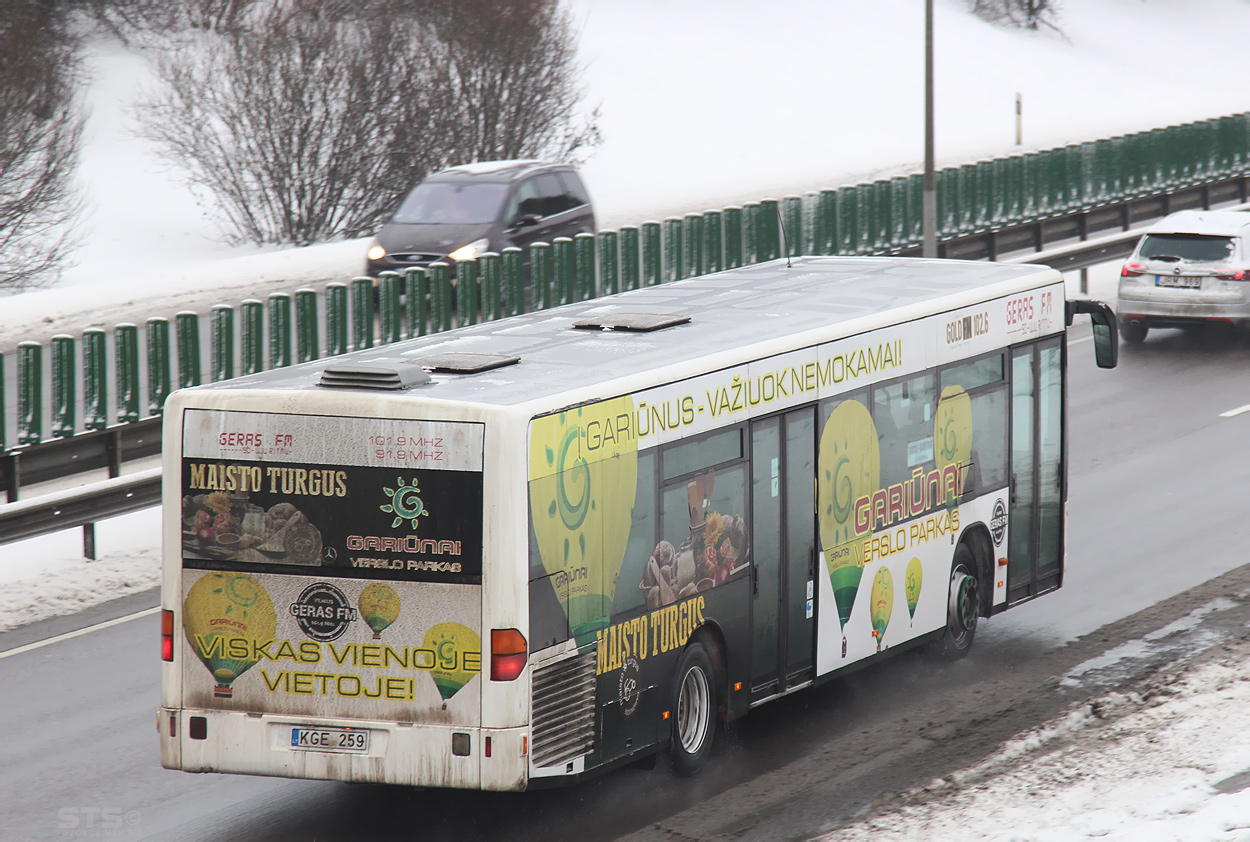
472,250
376,251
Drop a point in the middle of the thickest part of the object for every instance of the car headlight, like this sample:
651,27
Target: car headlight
472,250
376,251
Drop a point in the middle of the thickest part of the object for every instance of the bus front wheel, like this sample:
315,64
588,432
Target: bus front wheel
694,711
963,604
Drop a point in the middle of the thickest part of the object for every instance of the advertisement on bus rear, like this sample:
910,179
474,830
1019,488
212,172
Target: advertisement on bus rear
331,566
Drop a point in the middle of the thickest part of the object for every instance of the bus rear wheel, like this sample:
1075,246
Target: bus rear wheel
963,604
694,711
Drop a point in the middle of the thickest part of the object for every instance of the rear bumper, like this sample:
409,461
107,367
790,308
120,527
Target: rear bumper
1164,314
413,755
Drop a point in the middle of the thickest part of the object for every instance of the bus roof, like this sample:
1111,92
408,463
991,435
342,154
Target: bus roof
734,316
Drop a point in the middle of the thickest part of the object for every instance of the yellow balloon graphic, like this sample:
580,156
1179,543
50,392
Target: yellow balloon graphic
915,576
849,469
952,433
223,615
583,481
457,657
882,603
379,606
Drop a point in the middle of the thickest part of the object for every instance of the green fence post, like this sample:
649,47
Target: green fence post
750,233
126,348
251,337
540,276
713,242
221,343
467,293
792,219
306,345
609,262
513,282
417,299
584,277
29,393
767,230
826,205
692,245
187,329
440,295
734,252
159,364
652,254
631,268
845,213
390,315
95,388
279,330
336,319
362,292
671,270
64,389
491,283
566,286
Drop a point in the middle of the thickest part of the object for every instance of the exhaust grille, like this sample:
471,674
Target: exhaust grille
373,377
564,709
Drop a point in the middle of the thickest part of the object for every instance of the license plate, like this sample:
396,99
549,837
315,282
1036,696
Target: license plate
351,740
1185,282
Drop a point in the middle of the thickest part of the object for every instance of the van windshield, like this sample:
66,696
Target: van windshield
455,203
1196,248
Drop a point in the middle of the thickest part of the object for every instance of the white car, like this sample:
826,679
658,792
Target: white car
1190,268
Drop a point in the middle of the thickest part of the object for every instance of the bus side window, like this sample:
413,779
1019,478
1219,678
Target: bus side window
903,414
642,539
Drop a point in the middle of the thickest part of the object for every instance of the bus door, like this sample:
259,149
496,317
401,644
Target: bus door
1035,545
783,467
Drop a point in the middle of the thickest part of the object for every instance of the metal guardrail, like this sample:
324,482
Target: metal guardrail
80,507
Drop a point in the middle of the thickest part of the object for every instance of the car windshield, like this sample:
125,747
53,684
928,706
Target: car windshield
457,203
1196,248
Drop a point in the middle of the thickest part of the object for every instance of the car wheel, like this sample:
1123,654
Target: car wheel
1133,333
694,711
963,606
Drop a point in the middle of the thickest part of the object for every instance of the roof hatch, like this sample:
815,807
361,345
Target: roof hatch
465,363
634,322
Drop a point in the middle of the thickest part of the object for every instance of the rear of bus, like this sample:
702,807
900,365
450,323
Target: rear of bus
322,592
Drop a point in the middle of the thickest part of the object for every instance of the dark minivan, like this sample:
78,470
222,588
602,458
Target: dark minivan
464,211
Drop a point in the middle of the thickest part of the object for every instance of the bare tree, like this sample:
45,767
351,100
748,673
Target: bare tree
1025,14
303,128
514,76
139,19
40,138
309,121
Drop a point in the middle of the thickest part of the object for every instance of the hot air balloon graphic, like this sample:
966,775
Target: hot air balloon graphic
911,585
882,603
583,481
451,643
850,468
379,606
223,615
952,433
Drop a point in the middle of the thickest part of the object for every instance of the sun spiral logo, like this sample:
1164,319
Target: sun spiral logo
405,503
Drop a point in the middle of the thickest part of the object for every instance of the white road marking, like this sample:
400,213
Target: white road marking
147,612
1236,411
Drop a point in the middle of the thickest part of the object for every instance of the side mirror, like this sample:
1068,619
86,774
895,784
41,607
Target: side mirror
1106,329
525,220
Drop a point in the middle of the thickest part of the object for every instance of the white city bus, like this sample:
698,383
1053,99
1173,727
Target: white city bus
518,553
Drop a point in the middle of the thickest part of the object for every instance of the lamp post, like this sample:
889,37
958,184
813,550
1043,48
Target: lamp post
928,196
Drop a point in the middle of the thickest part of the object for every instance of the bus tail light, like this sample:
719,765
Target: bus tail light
167,634
507,654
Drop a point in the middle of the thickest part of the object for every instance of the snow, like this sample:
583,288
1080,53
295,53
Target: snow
708,103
